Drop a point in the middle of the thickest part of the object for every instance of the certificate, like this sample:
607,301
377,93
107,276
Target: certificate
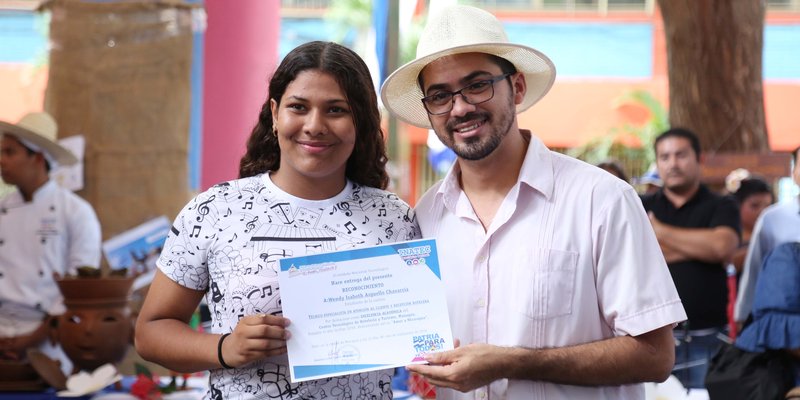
362,310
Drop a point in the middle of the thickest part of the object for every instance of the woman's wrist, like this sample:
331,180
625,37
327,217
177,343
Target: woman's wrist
220,357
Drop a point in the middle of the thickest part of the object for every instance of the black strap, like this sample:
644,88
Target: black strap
219,352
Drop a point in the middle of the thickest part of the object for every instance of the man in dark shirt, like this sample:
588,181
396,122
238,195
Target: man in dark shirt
698,232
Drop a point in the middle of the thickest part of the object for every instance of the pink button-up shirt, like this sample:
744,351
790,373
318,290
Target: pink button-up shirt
569,258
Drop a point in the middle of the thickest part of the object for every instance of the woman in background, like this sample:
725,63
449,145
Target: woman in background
753,194
614,168
776,310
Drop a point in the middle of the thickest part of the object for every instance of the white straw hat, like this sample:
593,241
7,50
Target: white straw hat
463,29
39,130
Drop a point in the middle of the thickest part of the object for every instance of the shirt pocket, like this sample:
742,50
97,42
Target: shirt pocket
544,283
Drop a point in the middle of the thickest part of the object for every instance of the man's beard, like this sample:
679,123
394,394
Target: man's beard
478,148
687,185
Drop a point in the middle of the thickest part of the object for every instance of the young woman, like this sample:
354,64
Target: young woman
753,195
312,181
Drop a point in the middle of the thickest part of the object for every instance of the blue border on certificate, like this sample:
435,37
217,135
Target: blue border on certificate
415,254
422,251
305,371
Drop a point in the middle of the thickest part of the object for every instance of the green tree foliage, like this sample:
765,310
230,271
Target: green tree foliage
612,145
347,15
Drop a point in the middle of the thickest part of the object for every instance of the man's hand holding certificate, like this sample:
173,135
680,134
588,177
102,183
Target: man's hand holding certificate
364,309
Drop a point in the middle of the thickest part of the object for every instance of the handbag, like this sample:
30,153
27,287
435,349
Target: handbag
735,374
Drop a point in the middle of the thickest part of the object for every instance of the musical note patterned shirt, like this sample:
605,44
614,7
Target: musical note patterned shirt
227,241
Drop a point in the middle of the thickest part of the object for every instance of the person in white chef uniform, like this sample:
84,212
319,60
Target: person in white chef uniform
44,229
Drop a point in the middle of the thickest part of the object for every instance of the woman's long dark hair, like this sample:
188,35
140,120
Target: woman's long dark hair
367,163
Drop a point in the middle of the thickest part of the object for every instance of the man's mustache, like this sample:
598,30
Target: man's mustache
451,124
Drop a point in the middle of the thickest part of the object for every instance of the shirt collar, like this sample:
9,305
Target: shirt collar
702,192
42,191
537,169
449,190
536,172
15,199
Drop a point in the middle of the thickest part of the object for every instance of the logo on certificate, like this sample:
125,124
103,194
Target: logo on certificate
311,269
415,255
429,343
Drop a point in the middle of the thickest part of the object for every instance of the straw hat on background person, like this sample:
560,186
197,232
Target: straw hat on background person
37,131
456,30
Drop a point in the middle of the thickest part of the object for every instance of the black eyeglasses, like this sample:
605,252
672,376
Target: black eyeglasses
474,93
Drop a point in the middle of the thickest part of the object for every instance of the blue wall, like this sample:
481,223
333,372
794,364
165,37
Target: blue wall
22,37
782,52
296,31
590,49
595,50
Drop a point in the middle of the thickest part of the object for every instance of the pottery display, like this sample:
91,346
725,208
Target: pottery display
97,327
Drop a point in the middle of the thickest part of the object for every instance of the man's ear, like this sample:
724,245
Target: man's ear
40,158
520,87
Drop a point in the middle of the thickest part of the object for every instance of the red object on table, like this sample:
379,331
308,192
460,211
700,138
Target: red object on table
420,386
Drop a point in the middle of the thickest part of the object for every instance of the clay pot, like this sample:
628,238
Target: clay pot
95,290
97,327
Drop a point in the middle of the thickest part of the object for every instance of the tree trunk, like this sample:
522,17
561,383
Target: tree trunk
714,56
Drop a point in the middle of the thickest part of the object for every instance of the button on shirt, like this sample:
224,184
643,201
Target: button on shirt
569,258
54,232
